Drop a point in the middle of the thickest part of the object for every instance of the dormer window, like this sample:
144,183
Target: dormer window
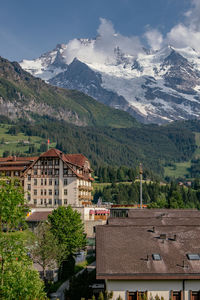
156,256
193,256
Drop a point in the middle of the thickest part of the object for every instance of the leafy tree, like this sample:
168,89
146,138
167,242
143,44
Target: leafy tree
45,249
18,278
67,227
13,208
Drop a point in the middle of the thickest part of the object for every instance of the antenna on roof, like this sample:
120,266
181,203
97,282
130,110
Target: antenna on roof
141,172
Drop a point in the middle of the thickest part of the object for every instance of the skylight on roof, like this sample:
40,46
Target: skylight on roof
193,256
156,256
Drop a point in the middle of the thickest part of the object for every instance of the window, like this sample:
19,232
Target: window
55,202
41,181
50,172
35,192
50,162
65,171
35,172
29,187
176,295
35,201
65,192
41,192
35,181
45,182
56,192
194,295
45,192
56,171
50,192
8,173
65,201
29,197
16,173
156,256
65,181
193,256
50,201
56,182
29,177
50,181
56,162
41,201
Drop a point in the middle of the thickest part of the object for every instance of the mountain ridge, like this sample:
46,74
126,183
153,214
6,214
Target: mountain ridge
155,87
23,95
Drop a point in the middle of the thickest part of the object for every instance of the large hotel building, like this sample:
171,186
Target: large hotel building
52,179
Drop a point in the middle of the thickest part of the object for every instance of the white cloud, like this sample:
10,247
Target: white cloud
187,33
154,39
102,50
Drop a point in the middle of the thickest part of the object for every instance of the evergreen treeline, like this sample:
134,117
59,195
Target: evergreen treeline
154,194
122,174
152,145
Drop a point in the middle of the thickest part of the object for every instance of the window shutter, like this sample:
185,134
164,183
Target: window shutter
181,295
171,295
127,295
190,295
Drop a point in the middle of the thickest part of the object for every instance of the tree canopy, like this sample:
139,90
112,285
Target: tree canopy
67,227
13,207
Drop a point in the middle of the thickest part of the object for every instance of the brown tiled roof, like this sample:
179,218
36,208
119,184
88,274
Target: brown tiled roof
122,252
51,153
16,159
38,216
12,168
155,221
172,213
76,159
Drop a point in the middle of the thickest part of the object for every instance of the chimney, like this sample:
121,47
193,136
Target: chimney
174,237
153,229
163,236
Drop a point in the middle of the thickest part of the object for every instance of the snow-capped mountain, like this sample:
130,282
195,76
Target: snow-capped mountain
158,86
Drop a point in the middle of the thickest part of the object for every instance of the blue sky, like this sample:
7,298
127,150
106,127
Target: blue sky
29,28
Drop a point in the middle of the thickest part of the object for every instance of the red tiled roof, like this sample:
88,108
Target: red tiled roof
14,159
38,216
51,153
12,168
76,159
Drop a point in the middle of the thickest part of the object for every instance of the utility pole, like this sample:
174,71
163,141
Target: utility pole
141,172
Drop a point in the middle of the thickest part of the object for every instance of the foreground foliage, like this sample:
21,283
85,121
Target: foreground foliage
18,278
13,207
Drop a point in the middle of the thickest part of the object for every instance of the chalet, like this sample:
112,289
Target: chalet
52,179
150,253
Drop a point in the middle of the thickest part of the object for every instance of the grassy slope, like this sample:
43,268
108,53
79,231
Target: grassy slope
14,142
181,169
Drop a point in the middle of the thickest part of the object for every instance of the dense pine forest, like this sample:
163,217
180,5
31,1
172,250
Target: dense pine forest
152,145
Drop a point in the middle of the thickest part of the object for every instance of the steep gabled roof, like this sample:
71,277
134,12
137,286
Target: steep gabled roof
51,153
75,159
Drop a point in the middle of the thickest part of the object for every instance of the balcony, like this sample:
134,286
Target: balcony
85,188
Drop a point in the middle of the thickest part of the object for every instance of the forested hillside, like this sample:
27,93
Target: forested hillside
151,145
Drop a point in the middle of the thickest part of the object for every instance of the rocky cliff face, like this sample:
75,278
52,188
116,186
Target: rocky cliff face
153,87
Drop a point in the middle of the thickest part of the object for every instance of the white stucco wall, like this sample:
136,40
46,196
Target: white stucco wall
161,288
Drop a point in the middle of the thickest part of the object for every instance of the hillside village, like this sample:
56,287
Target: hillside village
140,253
